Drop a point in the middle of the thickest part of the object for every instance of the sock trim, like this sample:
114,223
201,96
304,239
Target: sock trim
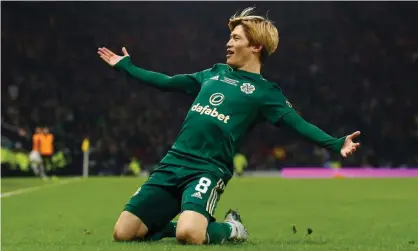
207,238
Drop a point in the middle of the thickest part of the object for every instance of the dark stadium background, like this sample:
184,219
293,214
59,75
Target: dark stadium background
345,66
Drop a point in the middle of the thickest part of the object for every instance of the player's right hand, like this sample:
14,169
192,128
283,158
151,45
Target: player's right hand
111,58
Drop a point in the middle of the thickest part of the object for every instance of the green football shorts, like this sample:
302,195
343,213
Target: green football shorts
171,190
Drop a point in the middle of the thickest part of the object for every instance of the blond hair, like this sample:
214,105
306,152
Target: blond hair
259,30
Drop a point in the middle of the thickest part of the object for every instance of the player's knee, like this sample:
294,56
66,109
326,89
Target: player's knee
191,235
127,233
123,234
129,227
191,228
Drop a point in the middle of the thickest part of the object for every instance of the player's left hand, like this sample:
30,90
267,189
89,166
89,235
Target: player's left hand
349,146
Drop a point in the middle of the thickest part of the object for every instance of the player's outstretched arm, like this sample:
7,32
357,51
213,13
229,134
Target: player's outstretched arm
345,145
278,110
185,82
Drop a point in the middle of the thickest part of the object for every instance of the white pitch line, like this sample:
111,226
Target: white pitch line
31,189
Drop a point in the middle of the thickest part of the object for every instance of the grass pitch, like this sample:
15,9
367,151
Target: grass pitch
345,214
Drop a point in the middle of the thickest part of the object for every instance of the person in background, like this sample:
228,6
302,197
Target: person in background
240,163
35,156
46,147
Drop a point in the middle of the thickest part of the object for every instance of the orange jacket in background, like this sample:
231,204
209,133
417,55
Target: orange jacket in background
36,142
47,144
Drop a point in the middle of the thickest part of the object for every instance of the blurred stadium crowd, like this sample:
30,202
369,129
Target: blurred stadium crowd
345,66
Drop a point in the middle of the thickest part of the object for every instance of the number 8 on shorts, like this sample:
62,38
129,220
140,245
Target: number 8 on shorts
203,185
203,193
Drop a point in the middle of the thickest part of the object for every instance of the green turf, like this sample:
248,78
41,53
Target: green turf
8,185
345,214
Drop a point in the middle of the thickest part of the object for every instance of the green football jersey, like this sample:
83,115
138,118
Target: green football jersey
228,104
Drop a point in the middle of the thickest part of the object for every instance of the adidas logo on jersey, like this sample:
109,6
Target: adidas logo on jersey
206,110
197,195
215,77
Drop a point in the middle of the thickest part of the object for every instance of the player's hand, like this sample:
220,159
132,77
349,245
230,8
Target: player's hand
111,58
349,146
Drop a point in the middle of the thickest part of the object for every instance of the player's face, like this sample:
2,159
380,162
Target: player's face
238,49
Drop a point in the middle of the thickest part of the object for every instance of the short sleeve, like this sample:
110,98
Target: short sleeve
275,105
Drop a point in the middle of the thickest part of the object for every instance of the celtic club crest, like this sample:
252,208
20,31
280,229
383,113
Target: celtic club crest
247,88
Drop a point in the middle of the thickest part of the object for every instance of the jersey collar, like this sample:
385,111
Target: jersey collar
246,73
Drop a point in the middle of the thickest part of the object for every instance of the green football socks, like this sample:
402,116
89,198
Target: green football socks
217,233
168,231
